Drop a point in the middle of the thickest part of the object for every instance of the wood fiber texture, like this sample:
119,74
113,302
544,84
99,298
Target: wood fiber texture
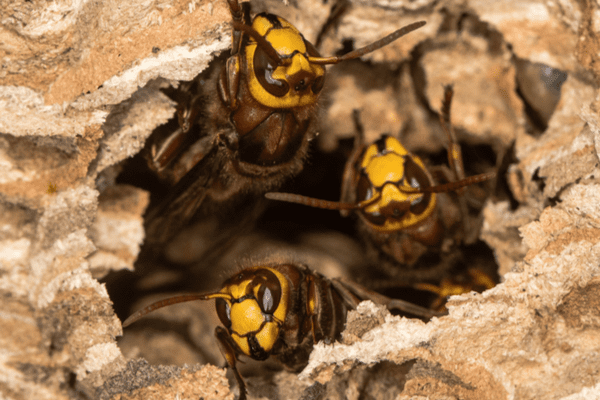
80,92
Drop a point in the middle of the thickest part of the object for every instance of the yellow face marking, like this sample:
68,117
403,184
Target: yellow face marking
261,24
286,41
388,168
242,343
268,336
299,63
247,318
392,145
237,291
391,193
386,173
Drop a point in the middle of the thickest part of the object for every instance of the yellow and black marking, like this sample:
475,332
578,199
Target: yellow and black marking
296,81
272,83
254,308
244,127
390,184
391,189
272,309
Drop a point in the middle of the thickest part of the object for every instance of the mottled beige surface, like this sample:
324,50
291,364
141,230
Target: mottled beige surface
79,93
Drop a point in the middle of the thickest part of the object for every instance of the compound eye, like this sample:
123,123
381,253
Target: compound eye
269,293
263,69
224,312
364,189
416,178
318,84
319,81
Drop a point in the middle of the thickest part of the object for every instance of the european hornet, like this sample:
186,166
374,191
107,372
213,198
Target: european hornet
243,126
396,198
281,310
472,279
